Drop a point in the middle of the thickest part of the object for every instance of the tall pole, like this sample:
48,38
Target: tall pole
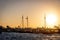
44,20
22,21
27,21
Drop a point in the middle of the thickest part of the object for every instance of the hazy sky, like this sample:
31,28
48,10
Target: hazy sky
11,11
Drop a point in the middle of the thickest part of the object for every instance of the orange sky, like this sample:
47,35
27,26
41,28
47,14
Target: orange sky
12,11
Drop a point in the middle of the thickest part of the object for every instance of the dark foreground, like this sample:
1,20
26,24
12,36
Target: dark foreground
28,36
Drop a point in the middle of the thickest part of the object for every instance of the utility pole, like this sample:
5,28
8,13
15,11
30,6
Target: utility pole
27,20
22,21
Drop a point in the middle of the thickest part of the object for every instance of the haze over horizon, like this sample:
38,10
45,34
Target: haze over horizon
11,12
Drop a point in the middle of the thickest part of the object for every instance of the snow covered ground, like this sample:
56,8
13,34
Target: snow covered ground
28,36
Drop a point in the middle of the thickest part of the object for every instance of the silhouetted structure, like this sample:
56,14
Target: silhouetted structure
22,21
44,20
0,29
27,21
30,30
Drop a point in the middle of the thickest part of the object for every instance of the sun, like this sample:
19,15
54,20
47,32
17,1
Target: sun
51,20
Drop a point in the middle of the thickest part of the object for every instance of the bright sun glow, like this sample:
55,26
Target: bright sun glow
51,20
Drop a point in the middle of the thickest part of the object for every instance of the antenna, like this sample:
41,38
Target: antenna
22,21
27,20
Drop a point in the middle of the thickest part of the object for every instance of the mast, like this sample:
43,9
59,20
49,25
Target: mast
44,20
22,21
27,20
